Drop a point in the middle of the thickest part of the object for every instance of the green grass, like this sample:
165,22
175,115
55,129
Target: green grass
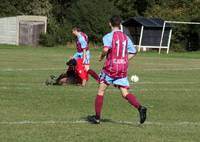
169,86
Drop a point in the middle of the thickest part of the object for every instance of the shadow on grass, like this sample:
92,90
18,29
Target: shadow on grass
119,122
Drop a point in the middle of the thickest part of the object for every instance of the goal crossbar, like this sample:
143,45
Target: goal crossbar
173,22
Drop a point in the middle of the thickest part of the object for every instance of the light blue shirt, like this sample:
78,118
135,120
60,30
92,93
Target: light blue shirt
82,41
107,41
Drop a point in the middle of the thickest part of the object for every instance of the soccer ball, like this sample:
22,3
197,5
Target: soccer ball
134,78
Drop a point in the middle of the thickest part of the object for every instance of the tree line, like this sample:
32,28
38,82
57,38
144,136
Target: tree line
92,16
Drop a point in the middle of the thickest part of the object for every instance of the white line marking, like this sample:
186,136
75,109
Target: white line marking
175,90
113,90
6,84
9,87
24,86
192,64
184,123
30,69
46,69
185,82
171,69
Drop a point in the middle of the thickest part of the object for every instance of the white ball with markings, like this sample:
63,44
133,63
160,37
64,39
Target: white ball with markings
134,78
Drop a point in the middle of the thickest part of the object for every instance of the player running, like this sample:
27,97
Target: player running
118,49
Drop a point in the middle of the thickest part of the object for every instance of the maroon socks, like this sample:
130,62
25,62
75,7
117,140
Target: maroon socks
93,74
98,106
99,103
133,100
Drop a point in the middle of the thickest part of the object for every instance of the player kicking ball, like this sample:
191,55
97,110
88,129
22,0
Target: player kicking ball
118,49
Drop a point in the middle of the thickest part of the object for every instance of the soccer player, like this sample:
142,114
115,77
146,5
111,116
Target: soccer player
75,74
83,51
82,47
118,49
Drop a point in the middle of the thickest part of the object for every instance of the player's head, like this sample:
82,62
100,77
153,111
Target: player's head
75,31
72,62
115,21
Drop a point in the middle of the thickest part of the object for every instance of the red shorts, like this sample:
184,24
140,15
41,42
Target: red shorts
80,70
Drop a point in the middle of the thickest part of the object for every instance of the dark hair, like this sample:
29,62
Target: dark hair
76,29
72,62
115,21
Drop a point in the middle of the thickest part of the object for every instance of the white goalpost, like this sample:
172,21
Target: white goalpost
163,30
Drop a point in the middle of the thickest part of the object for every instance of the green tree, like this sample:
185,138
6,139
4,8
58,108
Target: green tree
59,9
59,27
92,17
131,8
24,7
127,7
178,10
39,7
7,8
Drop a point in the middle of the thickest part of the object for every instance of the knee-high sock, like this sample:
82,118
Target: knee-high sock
93,74
98,106
133,100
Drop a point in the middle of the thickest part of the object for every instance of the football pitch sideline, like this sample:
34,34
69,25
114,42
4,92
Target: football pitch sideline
30,111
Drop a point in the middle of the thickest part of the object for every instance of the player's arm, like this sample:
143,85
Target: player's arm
103,53
130,56
107,43
131,49
84,55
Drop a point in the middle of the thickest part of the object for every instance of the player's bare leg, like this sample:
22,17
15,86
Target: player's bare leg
98,104
87,67
84,82
134,102
124,92
102,88
63,81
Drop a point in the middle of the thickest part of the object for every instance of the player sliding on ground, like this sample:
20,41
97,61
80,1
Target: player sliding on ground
118,49
75,74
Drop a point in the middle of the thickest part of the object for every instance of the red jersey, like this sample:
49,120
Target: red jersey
116,63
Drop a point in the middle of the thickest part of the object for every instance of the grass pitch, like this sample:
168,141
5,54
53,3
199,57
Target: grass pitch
32,112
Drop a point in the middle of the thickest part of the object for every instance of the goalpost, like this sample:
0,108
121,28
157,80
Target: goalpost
172,22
